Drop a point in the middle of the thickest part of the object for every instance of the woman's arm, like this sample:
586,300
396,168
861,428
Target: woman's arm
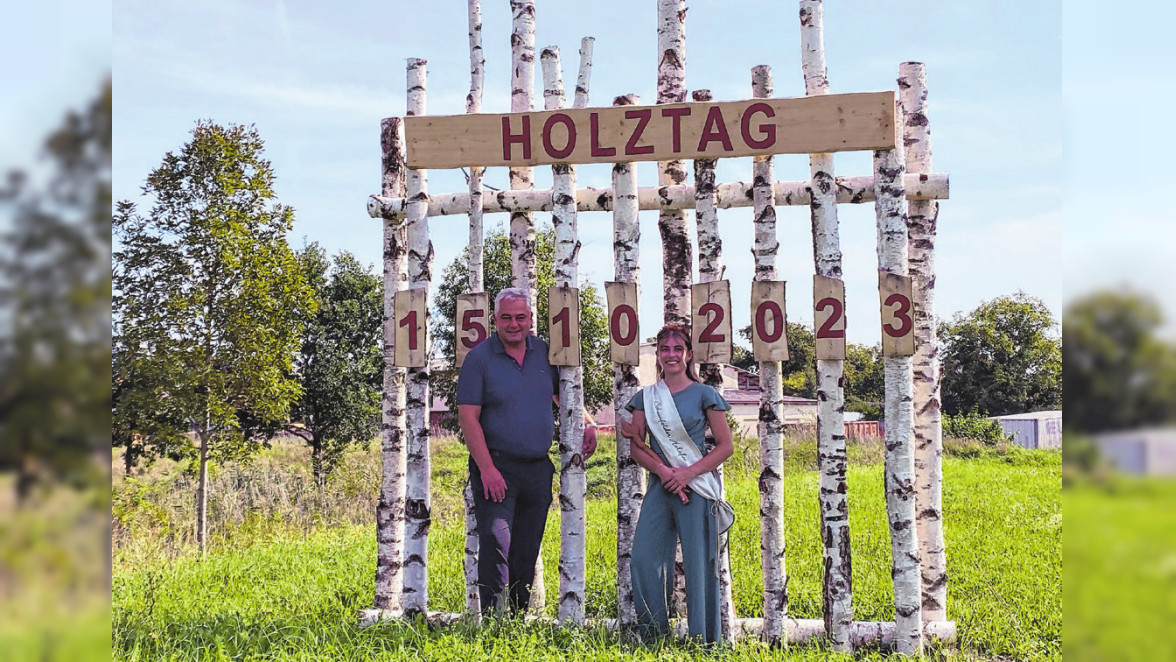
643,455
723,449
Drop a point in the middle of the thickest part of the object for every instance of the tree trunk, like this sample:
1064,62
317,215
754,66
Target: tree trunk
202,494
316,462
390,510
922,216
837,587
900,458
677,253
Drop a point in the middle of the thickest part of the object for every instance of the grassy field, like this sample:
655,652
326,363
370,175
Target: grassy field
290,568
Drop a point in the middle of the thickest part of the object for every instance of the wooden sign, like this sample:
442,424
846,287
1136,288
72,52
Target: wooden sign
472,325
412,349
829,318
898,324
624,344
825,123
710,329
769,321
563,326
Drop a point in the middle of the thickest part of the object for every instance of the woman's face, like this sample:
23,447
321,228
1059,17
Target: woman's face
672,355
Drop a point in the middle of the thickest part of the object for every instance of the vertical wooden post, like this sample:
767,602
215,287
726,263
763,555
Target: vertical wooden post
771,431
476,285
630,476
922,216
390,511
837,591
420,265
889,205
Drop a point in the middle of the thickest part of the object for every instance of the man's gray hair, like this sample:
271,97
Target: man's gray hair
513,294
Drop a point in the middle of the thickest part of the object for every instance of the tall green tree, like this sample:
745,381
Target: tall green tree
209,299
55,306
1118,373
865,380
1004,357
799,372
594,352
340,364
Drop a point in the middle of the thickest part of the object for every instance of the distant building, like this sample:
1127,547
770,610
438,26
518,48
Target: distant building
1146,452
1038,429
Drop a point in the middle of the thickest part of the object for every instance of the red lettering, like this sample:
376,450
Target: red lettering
677,114
509,138
559,118
767,130
642,116
713,130
594,130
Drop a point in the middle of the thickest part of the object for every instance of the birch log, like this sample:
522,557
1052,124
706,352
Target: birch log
728,195
837,587
572,477
630,477
671,88
710,269
900,458
390,511
420,264
922,217
476,284
771,433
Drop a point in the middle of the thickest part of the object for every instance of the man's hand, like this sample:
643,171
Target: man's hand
493,484
589,446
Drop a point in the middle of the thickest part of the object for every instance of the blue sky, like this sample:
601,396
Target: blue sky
316,78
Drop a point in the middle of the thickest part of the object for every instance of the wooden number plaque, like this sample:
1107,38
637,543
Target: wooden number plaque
563,326
898,324
624,345
472,325
412,349
711,323
769,321
829,318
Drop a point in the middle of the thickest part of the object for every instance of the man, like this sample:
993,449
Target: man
504,396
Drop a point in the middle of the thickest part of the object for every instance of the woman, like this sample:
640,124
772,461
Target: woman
687,503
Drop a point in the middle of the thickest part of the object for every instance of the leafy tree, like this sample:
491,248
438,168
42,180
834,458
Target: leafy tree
799,372
208,300
865,378
341,363
1118,373
55,307
594,352
1002,358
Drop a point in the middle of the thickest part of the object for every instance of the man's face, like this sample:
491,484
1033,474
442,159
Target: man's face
513,321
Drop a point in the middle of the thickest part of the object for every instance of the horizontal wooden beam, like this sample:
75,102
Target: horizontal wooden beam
829,123
850,190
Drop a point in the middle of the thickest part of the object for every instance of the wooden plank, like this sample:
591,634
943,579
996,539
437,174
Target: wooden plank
624,341
898,326
769,321
710,327
827,123
412,349
563,325
829,318
472,324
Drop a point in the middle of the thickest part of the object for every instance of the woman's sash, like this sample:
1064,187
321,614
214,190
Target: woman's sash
665,424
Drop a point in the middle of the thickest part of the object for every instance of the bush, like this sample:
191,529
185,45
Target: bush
976,427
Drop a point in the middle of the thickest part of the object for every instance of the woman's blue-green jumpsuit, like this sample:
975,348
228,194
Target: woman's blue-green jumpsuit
663,520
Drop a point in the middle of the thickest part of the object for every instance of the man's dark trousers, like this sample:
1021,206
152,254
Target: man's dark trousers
510,533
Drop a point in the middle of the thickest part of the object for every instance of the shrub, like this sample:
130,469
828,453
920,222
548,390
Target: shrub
974,426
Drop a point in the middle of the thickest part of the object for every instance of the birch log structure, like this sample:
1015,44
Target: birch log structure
899,435
677,260
572,476
922,217
771,432
420,265
626,384
476,285
390,511
710,269
837,586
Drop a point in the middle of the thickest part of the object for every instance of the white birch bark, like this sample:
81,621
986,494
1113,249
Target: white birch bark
420,265
476,278
390,511
630,476
771,431
900,458
837,587
728,195
522,80
572,477
922,216
710,269
677,261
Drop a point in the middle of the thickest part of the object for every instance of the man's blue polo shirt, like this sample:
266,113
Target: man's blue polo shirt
516,399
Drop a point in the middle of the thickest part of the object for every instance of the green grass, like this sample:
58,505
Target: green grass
277,592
